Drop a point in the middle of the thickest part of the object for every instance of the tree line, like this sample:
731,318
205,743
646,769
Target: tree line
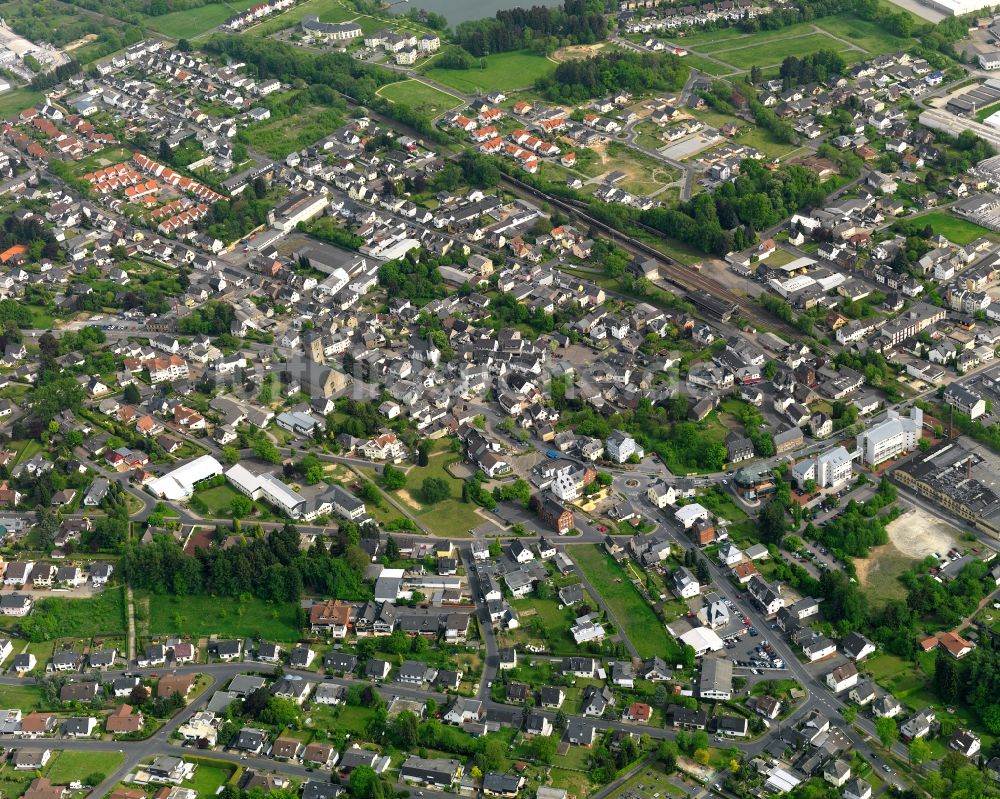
269,567
575,22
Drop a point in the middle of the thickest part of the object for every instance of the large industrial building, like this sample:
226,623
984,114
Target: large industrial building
961,481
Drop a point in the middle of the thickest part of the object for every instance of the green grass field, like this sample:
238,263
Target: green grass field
103,614
451,517
21,697
504,71
761,140
955,229
765,54
420,96
630,610
68,765
15,101
705,65
209,776
196,21
217,499
880,572
227,617
866,35
278,137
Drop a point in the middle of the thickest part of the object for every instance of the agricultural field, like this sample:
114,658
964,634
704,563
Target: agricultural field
955,229
502,71
193,22
637,619
197,615
420,96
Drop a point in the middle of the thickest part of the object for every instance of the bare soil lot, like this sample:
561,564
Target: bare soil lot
917,534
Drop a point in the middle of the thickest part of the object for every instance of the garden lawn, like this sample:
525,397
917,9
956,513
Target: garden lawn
22,697
955,229
227,617
209,776
195,21
639,622
503,71
218,499
69,765
420,96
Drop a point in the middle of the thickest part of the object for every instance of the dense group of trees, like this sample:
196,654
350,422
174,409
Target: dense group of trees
213,318
757,199
812,68
859,527
412,277
270,567
540,28
578,80
267,58
659,429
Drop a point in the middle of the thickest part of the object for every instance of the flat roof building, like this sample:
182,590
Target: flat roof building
180,483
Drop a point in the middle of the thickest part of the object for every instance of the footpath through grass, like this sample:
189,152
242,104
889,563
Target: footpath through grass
631,611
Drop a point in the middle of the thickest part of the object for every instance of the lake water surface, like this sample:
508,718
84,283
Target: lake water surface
456,11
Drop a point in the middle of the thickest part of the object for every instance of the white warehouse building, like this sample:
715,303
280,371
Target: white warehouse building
179,484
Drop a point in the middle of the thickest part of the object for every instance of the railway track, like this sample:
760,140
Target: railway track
678,275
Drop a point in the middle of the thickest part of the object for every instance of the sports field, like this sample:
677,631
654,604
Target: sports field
503,71
956,230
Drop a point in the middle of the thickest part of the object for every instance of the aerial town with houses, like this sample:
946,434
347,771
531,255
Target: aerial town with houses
592,400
